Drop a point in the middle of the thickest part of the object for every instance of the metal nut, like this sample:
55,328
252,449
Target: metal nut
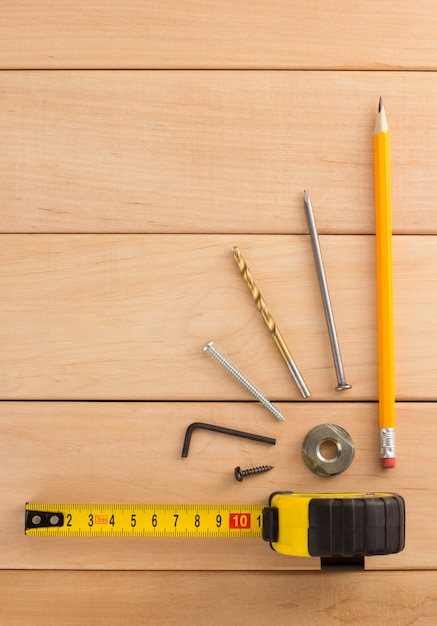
325,435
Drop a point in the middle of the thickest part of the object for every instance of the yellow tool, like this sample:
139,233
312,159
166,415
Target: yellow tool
144,520
340,528
335,525
384,282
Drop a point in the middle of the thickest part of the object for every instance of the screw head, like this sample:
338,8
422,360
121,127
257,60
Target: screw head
207,346
238,474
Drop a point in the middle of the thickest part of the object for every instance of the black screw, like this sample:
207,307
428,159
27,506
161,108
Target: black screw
240,474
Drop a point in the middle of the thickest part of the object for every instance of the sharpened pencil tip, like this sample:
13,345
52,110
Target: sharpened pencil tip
381,124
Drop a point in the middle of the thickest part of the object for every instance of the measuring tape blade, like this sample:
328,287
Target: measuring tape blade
144,520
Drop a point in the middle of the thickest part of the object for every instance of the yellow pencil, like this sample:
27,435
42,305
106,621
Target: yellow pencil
384,280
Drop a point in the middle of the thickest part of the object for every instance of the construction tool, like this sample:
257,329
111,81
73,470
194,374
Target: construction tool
334,438
224,431
270,323
335,347
209,347
340,528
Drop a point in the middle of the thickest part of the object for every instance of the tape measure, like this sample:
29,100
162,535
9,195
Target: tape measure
144,520
332,526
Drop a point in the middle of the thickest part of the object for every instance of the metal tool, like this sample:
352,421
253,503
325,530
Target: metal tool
225,431
240,474
327,435
341,380
209,347
270,322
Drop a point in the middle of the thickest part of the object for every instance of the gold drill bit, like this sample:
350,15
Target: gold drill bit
270,322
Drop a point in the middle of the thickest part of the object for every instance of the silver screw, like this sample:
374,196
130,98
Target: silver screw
342,384
209,347
240,474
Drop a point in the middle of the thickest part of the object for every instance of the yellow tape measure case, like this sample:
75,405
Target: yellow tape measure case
335,525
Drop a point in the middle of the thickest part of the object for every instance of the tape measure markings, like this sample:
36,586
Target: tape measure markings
145,520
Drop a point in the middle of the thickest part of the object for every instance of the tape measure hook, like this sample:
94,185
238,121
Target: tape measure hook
43,519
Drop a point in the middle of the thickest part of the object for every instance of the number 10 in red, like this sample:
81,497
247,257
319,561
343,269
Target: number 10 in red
239,521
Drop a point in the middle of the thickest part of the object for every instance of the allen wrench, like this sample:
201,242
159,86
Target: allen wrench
224,431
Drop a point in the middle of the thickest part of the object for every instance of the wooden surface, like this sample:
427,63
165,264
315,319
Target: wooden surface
218,598
123,193
125,317
131,452
278,34
212,152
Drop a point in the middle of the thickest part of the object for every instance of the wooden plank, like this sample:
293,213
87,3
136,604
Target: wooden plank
131,452
230,34
259,598
172,153
215,152
125,317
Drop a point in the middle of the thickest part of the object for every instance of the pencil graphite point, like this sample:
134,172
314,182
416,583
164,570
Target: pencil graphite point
381,124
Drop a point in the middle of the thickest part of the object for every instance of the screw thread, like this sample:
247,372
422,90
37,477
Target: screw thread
209,347
257,470
240,474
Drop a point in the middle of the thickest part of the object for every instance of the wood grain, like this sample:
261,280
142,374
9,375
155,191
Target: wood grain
212,152
166,170
230,34
261,598
131,452
125,317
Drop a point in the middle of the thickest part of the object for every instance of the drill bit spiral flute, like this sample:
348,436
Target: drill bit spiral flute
270,322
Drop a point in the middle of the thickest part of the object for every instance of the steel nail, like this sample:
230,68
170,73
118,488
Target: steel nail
341,380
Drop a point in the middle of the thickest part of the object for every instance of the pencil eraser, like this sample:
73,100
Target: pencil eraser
388,463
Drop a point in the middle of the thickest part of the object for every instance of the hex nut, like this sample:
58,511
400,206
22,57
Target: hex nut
325,434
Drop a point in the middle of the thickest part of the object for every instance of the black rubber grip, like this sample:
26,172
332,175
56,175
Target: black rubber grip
349,527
